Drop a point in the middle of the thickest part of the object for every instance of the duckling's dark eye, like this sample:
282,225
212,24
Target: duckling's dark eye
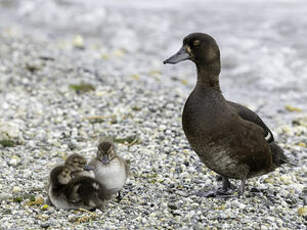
196,43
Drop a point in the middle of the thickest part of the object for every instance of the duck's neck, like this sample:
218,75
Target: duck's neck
208,76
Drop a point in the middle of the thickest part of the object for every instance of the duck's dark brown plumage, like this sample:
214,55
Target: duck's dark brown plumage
229,138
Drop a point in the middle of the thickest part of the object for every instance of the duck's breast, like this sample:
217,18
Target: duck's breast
113,175
203,113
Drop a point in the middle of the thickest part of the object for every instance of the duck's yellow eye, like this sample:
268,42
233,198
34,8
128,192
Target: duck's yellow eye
196,43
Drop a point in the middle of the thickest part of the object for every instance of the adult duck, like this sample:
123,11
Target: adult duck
229,138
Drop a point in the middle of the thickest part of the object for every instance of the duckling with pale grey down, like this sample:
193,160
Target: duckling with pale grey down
68,190
76,163
110,169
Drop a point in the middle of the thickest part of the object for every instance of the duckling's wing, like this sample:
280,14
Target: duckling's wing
251,116
92,192
127,167
126,164
79,186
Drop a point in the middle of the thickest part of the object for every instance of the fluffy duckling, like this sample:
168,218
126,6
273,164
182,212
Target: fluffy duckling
76,164
229,138
87,193
66,192
110,169
59,178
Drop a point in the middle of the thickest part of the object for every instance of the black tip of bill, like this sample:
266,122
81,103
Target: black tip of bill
181,55
167,61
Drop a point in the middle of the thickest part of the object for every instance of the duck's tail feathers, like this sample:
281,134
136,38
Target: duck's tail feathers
278,156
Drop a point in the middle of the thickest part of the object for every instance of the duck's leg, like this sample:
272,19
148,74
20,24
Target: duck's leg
242,187
48,201
119,197
226,184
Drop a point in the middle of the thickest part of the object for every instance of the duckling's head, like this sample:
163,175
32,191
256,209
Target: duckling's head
106,152
75,163
64,176
198,47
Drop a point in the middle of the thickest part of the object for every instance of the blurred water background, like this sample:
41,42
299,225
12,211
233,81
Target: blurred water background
263,43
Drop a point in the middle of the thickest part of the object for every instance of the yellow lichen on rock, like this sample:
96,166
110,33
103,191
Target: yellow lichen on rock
302,211
45,207
292,108
302,144
38,201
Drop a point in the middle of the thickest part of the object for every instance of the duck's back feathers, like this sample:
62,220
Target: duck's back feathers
87,192
248,146
278,156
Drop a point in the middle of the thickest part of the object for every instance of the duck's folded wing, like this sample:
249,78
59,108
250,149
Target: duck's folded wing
93,193
251,116
250,148
126,164
84,192
87,186
71,192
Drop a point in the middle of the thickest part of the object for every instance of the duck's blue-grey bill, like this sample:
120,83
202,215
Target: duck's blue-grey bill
181,55
89,167
105,159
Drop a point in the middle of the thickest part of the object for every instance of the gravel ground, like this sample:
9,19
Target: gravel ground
72,72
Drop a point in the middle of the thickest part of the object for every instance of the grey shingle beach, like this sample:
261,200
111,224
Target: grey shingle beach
72,72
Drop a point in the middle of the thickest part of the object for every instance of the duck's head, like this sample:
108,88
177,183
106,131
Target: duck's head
64,176
106,152
75,163
198,47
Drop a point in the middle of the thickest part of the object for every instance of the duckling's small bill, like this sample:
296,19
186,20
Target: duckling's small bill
181,55
89,168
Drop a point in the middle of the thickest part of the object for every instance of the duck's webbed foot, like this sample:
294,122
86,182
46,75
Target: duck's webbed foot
227,185
223,192
217,193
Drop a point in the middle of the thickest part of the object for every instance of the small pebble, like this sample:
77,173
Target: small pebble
16,189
